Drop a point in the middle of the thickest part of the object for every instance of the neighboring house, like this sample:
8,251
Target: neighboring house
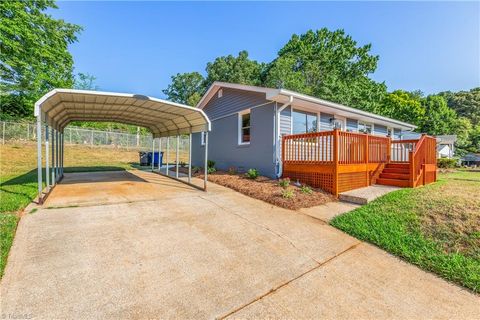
446,146
471,159
248,123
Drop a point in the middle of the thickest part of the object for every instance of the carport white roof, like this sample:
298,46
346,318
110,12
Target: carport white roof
163,118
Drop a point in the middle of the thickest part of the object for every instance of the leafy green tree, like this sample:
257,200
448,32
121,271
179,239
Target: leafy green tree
462,128
439,118
85,81
233,69
186,88
329,65
34,55
403,106
465,103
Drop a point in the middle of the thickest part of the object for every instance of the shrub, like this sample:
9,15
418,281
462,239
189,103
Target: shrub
252,174
446,163
182,164
306,189
288,193
284,183
211,164
196,169
232,170
211,169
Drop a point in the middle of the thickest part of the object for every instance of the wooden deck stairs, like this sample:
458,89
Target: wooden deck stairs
395,174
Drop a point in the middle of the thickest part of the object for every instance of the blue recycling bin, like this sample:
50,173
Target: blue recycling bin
157,158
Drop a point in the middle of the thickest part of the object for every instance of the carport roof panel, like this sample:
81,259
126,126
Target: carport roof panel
59,107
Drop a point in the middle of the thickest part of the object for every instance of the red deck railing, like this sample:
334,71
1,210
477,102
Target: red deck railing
338,161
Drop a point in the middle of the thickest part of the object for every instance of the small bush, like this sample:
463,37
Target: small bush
446,163
211,164
306,189
211,169
182,164
196,169
284,183
232,170
288,193
252,174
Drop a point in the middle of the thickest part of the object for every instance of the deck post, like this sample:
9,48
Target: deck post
39,157
335,162
367,175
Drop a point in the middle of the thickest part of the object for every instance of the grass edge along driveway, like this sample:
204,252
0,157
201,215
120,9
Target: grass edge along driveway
394,223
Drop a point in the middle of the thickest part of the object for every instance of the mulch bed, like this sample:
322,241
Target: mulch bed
268,190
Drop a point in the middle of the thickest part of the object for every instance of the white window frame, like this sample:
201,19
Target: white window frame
202,138
240,128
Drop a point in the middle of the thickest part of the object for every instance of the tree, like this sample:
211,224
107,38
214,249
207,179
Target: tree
465,103
439,118
328,65
233,69
403,106
85,81
186,88
34,55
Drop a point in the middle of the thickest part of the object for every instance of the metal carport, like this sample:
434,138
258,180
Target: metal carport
163,118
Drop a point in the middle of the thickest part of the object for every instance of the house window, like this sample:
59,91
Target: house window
365,127
203,138
304,122
244,127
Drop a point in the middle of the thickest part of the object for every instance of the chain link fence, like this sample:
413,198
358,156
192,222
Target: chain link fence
27,131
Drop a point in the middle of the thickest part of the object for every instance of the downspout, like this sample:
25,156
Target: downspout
278,141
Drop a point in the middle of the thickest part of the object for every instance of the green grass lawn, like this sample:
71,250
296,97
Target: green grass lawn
436,227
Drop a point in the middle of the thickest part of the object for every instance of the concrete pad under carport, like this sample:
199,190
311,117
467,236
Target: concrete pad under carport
191,254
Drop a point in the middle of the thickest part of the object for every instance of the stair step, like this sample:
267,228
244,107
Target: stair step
397,165
396,170
398,176
393,182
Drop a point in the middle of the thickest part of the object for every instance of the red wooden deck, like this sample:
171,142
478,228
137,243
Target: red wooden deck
338,161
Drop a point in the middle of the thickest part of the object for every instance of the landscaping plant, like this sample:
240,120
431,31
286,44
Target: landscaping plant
211,164
306,189
288,193
284,183
446,163
232,170
252,174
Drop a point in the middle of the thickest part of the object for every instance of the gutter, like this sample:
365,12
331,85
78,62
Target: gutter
278,161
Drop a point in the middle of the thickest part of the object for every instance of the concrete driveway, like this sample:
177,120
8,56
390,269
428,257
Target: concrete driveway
138,245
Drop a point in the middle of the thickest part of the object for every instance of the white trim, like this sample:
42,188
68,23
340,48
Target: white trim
240,128
202,138
282,96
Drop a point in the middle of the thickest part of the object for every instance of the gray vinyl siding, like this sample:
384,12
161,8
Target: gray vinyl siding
352,125
224,148
325,123
286,121
232,100
397,133
380,130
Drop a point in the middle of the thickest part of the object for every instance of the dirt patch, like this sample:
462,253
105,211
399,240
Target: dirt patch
270,191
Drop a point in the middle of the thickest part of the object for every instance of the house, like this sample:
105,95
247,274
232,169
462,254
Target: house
250,124
471,160
446,146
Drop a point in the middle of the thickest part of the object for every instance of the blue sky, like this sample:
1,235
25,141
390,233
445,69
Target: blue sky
137,46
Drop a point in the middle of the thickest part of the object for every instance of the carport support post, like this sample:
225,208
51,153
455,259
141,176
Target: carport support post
176,157
47,168
159,153
62,153
53,156
190,158
57,175
39,157
206,162
153,152
166,160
